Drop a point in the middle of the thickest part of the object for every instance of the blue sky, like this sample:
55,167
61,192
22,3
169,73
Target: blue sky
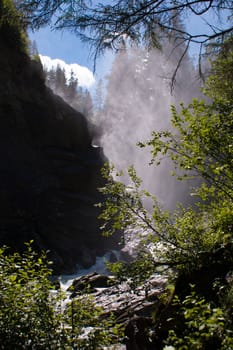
62,45
68,48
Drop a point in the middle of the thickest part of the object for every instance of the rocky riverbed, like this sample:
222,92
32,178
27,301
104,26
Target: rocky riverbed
132,308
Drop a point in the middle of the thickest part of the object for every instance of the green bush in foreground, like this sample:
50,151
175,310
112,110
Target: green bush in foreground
28,316
33,315
205,325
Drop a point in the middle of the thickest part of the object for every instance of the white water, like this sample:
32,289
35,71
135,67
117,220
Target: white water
99,267
138,102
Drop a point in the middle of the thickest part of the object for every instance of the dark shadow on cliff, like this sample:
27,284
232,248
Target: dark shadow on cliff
49,171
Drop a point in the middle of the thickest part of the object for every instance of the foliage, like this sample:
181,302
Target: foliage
108,25
202,144
92,325
219,86
33,315
193,238
180,239
33,51
205,325
28,317
11,26
69,90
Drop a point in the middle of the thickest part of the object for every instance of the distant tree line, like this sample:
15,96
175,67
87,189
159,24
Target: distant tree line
69,89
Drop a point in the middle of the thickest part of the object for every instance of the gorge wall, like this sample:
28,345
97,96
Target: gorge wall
49,172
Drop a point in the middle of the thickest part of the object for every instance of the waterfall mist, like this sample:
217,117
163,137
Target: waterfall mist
138,102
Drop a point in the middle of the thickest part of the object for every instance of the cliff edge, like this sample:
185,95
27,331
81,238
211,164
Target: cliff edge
49,171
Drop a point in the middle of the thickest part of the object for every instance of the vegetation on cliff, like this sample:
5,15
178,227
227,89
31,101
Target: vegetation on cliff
192,245
49,172
11,27
69,89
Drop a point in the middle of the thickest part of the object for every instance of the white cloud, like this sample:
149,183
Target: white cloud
83,74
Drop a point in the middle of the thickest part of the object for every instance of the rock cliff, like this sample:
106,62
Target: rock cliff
49,171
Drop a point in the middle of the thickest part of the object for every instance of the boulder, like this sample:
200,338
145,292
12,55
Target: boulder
89,283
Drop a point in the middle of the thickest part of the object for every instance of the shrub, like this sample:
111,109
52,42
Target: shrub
11,27
28,310
34,316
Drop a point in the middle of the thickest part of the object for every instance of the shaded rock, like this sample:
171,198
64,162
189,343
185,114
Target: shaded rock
136,333
89,283
113,258
49,171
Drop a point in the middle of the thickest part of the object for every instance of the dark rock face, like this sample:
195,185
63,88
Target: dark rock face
49,172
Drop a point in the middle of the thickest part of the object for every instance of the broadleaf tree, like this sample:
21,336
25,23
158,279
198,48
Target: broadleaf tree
191,240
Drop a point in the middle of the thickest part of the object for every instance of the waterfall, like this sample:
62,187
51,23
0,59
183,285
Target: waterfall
138,102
